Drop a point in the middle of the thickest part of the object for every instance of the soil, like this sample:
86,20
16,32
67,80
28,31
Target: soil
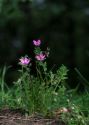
16,117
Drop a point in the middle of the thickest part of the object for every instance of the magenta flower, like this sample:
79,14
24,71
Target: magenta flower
40,57
37,43
24,61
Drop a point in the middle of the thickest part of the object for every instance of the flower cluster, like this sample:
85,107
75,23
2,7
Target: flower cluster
39,57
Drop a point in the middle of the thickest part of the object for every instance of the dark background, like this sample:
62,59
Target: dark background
62,25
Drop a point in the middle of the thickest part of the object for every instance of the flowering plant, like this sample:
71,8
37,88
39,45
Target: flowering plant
36,93
46,92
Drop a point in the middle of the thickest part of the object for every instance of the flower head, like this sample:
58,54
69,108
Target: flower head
24,61
40,57
37,43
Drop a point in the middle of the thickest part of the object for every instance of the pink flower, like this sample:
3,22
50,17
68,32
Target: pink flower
37,43
24,61
40,57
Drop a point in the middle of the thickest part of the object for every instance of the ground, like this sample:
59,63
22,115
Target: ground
16,117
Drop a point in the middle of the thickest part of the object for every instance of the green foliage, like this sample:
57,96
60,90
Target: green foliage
74,116
38,95
6,93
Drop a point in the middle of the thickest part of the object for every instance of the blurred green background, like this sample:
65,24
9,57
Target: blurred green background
62,25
